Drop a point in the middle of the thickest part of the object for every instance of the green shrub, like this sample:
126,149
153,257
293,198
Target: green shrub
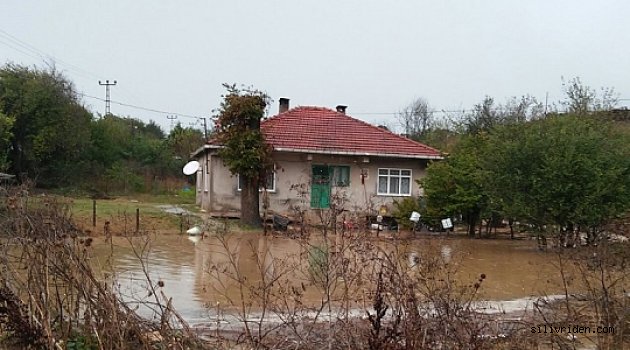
403,210
187,194
81,342
318,264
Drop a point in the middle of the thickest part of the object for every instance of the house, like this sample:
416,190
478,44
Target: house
320,156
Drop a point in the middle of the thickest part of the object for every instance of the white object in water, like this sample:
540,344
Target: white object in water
617,238
194,239
377,227
414,259
194,231
446,253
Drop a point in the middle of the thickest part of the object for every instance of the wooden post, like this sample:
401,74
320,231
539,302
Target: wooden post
94,213
137,220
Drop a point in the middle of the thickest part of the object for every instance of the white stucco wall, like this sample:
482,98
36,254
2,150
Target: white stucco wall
294,169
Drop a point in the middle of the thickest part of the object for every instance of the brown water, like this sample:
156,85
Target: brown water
514,269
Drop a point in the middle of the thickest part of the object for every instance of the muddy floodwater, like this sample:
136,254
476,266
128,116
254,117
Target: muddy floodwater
514,269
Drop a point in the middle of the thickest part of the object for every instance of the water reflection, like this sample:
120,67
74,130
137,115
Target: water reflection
414,259
446,253
514,269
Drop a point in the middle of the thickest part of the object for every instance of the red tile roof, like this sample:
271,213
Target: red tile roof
322,130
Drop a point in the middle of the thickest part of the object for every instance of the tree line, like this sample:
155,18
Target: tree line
48,136
562,169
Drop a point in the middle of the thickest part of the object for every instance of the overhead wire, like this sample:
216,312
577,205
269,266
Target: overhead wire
396,113
45,56
33,52
29,50
36,53
141,107
20,50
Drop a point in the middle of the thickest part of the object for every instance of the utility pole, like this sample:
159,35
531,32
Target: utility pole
205,129
171,118
205,126
546,99
107,84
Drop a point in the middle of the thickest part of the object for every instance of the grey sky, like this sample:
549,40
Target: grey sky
373,56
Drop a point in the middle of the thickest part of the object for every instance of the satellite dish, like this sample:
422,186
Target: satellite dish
191,167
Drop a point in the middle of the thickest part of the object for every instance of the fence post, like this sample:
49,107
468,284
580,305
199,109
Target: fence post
93,212
137,220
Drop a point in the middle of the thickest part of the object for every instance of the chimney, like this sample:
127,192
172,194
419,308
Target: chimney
284,105
341,109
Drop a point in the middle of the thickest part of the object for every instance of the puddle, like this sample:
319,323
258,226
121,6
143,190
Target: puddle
515,277
173,209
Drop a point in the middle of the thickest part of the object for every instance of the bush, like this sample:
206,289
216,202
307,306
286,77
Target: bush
318,264
187,194
403,210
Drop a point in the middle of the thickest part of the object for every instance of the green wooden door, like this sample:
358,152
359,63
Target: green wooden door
320,187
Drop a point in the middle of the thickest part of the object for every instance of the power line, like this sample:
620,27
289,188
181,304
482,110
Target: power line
43,55
33,52
20,50
431,112
140,107
38,54
169,115
24,44
172,119
463,110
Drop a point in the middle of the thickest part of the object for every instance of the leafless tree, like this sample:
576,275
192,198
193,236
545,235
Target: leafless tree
582,99
417,118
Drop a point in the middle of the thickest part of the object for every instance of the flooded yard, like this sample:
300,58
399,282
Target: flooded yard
515,270
234,285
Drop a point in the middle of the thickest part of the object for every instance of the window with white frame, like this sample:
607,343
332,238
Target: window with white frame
271,182
340,175
394,182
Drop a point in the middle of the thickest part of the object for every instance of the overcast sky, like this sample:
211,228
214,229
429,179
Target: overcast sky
374,56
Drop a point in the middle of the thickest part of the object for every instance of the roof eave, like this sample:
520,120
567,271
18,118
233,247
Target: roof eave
364,154
196,153
201,149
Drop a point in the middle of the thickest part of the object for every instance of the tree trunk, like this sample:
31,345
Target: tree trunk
480,227
472,224
250,203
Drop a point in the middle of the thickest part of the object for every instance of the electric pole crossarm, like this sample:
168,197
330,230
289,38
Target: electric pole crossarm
107,84
172,119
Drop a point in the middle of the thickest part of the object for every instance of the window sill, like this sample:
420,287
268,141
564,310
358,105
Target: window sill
393,195
260,191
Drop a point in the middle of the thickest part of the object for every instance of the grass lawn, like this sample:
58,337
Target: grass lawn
121,213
